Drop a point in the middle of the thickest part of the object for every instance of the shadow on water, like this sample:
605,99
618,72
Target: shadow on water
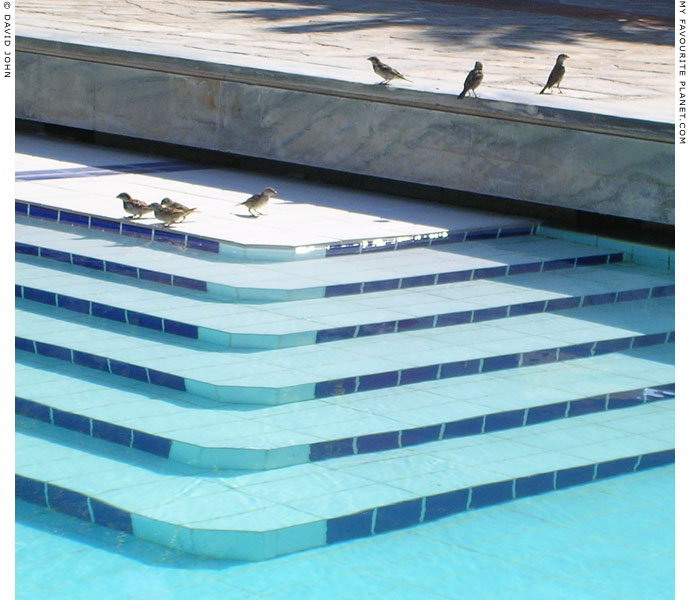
510,23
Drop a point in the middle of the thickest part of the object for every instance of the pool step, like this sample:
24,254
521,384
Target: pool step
282,325
318,278
303,373
255,516
202,432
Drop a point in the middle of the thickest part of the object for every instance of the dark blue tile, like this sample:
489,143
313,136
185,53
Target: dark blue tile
667,389
376,442
459,368
155,276
371,247
337,333
397,516
454,318
563,263
31,409
454,276
381,286
497,363
464,427
597,259
587,405
418,281
112,433
616,257
75,304
336,387
656,459
17,291
91,361
420,435
202,244
533,267
417,374
343,290
342,249
548,412
376,329
74,218
574,476
539,357
152,444
108,312
491,493
415,324
181,329
105,224
489,314
58,255
527,308
641,294
514,231
652,339
378,381
110,516
412,243
21,208
349,527
30,490
608,346
448,503
20,248
562,303
594,299
663,290
189,283
508,419
41,212
168,237
671,337
625,399
331,449
39,296
126,370
119,269
610,468
533,485
21,343
453,237
87,261
575,351
490,272
72,421
486,234
142,320
166,380
53,351
68,502
136,231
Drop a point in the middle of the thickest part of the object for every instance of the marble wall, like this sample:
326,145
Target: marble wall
613,168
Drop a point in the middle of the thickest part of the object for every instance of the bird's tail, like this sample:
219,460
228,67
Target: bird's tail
462,94
543,89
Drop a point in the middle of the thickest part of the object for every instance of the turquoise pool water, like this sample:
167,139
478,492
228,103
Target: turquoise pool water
608,540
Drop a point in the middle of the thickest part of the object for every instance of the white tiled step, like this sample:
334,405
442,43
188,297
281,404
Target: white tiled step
260,515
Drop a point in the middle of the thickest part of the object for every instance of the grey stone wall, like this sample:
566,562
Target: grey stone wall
563,158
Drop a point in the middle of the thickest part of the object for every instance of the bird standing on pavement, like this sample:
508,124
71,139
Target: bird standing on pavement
168,215
168,203
136,208
473,79
556,75
386,71
258,201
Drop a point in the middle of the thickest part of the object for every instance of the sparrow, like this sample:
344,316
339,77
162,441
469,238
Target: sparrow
473,79
169,216
258,201
136,208
383,70
556,75
168,203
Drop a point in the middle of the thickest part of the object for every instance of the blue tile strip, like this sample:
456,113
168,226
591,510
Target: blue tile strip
118,169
